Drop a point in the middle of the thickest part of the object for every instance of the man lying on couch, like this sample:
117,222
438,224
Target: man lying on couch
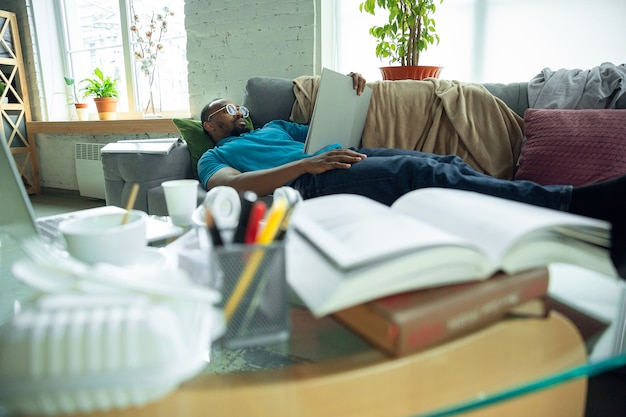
270,157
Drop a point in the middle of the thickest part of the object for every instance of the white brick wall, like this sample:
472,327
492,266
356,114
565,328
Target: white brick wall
228,42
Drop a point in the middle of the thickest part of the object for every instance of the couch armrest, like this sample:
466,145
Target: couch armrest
122,170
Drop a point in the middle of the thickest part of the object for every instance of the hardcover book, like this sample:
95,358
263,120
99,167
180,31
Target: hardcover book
404,323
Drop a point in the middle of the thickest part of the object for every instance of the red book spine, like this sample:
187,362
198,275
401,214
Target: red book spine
411,321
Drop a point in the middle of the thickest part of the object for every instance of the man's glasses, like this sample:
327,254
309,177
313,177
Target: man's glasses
232,110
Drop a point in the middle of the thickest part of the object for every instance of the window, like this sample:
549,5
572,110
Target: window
493,40
96,34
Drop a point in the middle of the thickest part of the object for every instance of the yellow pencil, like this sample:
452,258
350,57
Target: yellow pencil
274,219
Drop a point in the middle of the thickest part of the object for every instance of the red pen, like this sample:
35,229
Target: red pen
256,216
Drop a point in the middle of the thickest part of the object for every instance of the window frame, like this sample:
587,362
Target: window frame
56,62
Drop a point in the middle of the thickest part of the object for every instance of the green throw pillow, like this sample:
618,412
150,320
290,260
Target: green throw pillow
198,142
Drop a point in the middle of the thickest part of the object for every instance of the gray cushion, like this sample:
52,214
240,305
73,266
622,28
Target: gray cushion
515,95
268,98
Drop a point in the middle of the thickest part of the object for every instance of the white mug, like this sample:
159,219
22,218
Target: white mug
181,197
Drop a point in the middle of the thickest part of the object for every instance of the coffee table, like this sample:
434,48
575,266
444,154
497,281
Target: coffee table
535,364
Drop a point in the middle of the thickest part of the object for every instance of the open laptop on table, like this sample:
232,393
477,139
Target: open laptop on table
339,113
18,217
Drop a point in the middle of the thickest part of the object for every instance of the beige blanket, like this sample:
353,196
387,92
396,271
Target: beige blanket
438,116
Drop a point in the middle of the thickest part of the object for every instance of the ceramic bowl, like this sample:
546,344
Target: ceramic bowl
104,239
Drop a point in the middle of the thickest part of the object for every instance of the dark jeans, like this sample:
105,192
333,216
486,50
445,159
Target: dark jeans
386,174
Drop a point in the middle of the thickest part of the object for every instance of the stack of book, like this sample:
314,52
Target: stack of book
437,264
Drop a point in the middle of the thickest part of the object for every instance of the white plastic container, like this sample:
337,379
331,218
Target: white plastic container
71,353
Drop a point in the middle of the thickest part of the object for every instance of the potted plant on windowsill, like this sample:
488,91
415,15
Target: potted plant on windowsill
409,31
81,107
104,90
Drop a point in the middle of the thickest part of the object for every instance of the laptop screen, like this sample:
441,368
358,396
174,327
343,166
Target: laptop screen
18,218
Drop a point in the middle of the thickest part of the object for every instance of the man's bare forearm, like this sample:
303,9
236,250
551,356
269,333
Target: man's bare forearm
262,182
265,181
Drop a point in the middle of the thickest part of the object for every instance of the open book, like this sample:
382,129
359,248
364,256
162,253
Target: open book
154,146
347,249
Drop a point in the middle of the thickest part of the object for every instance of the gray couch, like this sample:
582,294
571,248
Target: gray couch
268,98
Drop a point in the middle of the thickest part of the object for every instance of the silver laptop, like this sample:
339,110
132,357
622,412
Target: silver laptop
18,217
339,113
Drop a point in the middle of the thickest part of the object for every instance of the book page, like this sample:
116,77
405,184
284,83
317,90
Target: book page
142,146
162,140
493,223
352,230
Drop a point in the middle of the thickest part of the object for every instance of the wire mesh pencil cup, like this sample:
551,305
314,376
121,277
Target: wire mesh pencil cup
258,310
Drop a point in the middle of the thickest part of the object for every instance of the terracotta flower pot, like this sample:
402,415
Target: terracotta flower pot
410,72
82,111
106,107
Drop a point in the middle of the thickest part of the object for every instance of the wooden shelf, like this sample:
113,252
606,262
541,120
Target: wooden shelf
103,126
15,114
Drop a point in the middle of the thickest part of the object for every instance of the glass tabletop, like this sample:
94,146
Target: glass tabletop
314,341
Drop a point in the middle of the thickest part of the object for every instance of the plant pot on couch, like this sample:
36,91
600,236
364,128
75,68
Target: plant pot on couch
408,32
410,72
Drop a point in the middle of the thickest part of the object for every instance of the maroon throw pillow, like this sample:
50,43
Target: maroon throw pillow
575,147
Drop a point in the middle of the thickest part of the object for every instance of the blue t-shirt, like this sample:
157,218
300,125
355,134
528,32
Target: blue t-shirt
277,143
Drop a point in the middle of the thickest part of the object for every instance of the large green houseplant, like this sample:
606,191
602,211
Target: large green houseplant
104,90
409,31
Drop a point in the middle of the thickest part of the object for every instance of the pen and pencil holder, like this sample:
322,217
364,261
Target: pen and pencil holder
252,281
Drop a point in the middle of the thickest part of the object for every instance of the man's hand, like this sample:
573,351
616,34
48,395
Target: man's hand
358,82
265,181
334,159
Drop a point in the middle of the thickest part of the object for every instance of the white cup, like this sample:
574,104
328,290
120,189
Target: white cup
181,197
104,239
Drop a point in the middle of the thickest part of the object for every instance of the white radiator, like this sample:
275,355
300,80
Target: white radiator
89,170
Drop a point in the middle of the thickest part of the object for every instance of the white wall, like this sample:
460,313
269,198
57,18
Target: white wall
229,42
